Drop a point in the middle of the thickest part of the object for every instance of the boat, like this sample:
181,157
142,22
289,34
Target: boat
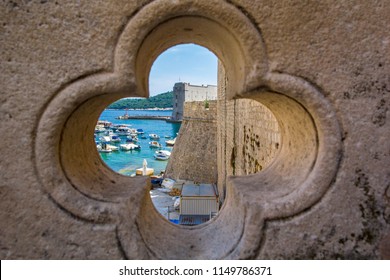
154,144
116,126
140,131
105,139
102,126
99,129
131,138
154,136
123,131
105,124
170,142
163,152
112,147
162,155
144,137
103,148
129,147
156,182
114,138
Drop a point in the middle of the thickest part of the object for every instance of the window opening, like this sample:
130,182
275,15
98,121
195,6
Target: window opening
137,136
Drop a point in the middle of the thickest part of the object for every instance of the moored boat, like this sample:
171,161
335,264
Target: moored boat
162,155
154,136
99,129
154,144
103,148
114,138
112,147
170,142
123,131
129,147
132,138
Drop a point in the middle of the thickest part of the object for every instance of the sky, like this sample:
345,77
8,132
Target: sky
188,63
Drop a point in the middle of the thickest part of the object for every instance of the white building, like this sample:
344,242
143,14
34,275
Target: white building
185,92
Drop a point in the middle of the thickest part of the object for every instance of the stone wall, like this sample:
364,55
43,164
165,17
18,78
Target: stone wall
248,135
194,156
321,67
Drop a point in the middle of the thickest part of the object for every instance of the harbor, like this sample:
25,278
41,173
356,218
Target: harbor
129,141
139,145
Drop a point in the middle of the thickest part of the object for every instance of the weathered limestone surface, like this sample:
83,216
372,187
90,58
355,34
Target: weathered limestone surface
322,68
196,143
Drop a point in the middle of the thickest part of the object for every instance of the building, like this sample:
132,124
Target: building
185,92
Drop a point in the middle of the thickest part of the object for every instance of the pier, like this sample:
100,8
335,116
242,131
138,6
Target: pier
128,117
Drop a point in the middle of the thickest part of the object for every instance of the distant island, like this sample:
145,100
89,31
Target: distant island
163,100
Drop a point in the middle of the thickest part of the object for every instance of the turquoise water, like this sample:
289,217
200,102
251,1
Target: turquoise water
126,162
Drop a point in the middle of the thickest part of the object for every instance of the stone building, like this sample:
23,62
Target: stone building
185,92
320,69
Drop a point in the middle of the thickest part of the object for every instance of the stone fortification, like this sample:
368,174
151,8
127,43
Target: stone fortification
320,67
194,156
185,92
248,135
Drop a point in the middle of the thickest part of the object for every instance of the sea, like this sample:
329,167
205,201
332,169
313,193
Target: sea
126,162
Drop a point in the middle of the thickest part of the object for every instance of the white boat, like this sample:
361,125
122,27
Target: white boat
123,131
116,126
105,139
129,147
102,148
112,147
131,138
162,155
99,129
163,152
105,124
170,142
154,144
114,138
154,136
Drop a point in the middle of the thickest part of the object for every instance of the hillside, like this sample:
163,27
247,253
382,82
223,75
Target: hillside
163,100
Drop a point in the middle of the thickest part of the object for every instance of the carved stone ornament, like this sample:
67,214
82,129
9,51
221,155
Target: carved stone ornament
77,180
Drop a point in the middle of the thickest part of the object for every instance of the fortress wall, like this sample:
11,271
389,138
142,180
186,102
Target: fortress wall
257,137
248,135
194,156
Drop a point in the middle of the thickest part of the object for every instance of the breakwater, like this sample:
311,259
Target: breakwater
145,117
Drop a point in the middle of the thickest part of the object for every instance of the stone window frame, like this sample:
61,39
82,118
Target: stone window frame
77,180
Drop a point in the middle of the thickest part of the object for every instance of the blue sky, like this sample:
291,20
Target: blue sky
185,63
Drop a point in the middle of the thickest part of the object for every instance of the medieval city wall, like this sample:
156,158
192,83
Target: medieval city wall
248,135
194,156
